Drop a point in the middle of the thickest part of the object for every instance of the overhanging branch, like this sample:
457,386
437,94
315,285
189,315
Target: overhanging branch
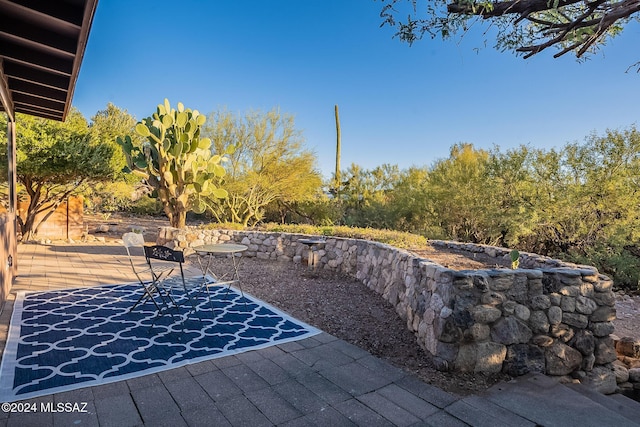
501,8
598,15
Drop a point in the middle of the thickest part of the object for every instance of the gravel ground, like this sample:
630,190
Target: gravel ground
347,309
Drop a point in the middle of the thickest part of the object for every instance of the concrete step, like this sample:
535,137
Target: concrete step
545,402
481,412
618,403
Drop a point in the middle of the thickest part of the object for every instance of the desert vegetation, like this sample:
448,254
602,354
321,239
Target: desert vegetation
578,202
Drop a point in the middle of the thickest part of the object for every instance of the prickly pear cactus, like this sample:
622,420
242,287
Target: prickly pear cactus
515,259
175,161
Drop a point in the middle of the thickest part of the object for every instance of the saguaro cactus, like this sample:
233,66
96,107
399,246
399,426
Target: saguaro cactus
175,161
337,178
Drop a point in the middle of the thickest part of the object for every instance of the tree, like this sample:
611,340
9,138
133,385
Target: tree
410,205
106,125
175,161
508,195
365,195
526,26
456,192
585,202
54,160
120,193
588,194
269,165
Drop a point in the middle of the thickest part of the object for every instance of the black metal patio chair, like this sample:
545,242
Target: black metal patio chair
147,277
163,255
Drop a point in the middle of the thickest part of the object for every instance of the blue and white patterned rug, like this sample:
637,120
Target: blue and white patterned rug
69,339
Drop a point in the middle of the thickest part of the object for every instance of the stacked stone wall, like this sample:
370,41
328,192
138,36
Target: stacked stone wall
548,316
627,367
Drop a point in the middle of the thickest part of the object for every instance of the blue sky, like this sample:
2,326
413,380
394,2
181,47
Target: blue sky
398,104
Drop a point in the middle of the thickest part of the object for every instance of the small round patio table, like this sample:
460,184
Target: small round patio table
211,250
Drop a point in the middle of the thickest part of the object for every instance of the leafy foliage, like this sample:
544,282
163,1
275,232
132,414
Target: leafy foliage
578,203
269,164
526,26
54,160
455,190
120,194
319,210
365,195
106,125
146,206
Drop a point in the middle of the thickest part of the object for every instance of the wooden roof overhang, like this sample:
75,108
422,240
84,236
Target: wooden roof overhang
42,43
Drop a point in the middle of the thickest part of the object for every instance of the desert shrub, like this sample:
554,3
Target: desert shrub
223,226
395,238
621,264
109,197
319,211
146,206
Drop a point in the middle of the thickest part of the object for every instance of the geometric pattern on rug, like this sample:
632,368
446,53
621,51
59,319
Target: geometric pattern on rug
67,339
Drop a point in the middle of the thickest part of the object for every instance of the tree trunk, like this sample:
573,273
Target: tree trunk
38,205
179,219
27,228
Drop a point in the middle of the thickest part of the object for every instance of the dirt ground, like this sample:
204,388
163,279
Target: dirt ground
349,310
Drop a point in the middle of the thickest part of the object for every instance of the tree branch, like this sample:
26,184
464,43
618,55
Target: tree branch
636,66
562,34
571,25
501,8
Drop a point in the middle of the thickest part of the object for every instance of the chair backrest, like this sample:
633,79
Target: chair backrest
130,240
163,253
133,240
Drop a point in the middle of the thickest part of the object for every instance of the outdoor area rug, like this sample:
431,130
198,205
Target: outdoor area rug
68,339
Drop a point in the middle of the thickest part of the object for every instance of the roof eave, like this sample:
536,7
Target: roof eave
87,21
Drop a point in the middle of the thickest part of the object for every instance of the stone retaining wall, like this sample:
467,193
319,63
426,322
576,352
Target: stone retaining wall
548,316
627,367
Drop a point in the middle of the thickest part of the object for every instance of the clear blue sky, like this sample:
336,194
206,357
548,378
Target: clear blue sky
398,104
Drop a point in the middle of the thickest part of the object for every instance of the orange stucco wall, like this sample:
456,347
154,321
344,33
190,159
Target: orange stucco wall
65,223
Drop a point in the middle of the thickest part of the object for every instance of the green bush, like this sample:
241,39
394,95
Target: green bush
319,211
618,263
109,197
146,206
223,226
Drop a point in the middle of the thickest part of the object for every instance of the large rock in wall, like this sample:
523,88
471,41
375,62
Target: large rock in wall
627,365
550,317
